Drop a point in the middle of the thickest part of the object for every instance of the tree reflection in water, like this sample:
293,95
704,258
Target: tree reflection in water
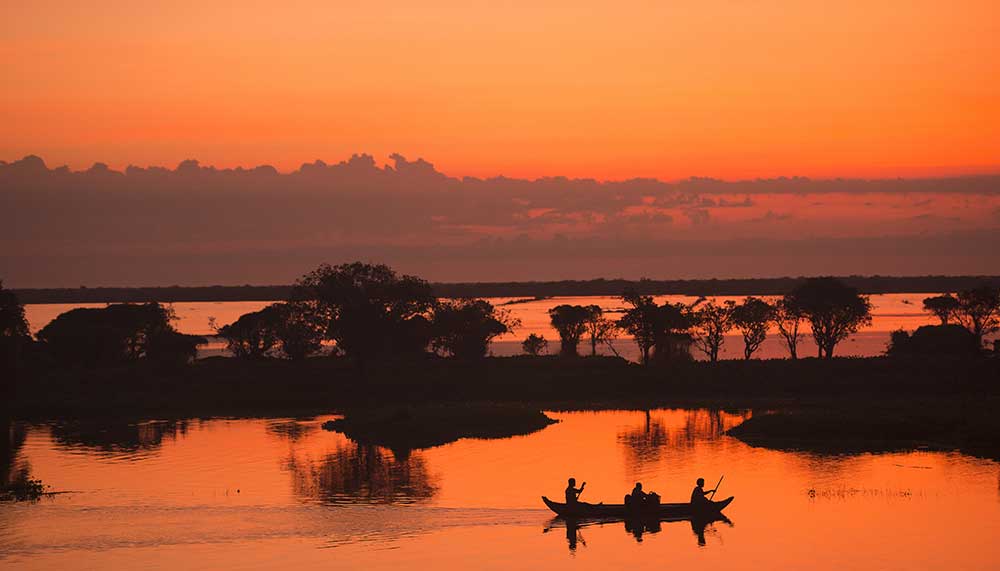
117,437
293,430
680,430
12,437
357,473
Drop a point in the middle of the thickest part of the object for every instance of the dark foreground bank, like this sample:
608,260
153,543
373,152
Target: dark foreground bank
219,386
859,404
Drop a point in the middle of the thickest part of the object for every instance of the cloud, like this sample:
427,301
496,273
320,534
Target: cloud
200,224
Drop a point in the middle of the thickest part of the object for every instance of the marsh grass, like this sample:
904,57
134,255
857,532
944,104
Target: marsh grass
22,489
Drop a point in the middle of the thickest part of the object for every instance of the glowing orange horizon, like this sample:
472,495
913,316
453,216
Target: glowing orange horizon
602,90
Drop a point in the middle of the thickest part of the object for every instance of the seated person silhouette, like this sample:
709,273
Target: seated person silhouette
639,499
698,493
572,493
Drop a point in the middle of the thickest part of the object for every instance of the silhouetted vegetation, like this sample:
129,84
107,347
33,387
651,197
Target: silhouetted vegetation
660,331
932,341
14,339
464,329
711,323
534,345
970,426
571,323
117,334
407,428
752,318
301,327
294,329
833,309
979,310
944,307
253,336
600,329
407,394
374,312
788,316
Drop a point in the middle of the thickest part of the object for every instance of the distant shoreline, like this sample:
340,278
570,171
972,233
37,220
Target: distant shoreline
539,289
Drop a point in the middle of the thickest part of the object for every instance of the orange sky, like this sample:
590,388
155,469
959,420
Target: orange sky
729,89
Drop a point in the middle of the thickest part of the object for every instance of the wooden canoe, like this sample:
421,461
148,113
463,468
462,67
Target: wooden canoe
685,510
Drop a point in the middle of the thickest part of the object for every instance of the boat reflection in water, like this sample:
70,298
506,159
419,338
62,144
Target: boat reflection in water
637,527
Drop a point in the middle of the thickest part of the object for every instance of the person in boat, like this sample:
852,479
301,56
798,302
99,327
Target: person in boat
698,493
641,499
572,493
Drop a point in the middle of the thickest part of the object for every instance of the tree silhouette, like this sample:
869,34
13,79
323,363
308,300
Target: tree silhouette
600,328
711,322
834,310
659,331
641,321
673,342
465,328
534,344
788,316
752,318
374,313
254,335
300,327
571,323
116,334
944,307
979,310
14,334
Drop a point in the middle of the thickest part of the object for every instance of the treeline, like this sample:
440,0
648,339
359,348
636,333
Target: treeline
541,289
369,314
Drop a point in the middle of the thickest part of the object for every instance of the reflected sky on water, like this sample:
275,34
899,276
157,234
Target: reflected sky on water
264,493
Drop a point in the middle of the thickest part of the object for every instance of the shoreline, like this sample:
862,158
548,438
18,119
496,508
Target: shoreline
820,405
870,285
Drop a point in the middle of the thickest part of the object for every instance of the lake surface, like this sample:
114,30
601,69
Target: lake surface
891,312
270,493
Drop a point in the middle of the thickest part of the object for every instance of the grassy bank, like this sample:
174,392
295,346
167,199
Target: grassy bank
403,427
839,405
221,386
968,425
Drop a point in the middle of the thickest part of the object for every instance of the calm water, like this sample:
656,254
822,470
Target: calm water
892,312
249,494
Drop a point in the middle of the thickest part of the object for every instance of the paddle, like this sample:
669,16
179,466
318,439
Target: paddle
717,487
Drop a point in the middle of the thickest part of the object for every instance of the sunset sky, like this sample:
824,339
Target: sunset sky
656,139
610,90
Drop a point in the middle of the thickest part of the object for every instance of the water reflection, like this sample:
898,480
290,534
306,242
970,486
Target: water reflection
673,429
111,437
12,437
637,528
477,501
362,473
290,429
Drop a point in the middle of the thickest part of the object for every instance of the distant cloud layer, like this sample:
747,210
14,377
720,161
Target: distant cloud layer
201,225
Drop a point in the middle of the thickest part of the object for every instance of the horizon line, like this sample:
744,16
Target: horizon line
100,166
508,282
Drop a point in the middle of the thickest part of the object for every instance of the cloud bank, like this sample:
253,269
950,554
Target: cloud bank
201,225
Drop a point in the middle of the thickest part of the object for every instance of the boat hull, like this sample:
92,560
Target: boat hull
684,510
